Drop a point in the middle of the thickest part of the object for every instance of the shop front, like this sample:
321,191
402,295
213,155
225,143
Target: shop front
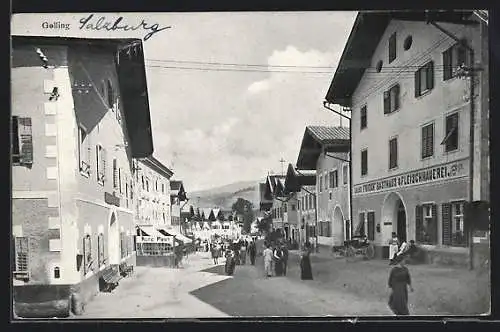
425,205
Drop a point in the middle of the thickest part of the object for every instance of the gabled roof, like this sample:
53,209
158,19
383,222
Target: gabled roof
364,38
319,138
131,78
295,180
177,190
158,166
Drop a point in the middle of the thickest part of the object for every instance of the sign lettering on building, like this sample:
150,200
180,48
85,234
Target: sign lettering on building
451,170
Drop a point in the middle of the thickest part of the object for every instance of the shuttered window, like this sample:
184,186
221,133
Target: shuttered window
363,116
84,151
391,99
100,249
450,140
120,189
123,244
424,79
392,47
371,225
101,164
345,174
320,183
453,224
22,254
426,223
22,141
364,162
453,58
428,140
393,153
115,173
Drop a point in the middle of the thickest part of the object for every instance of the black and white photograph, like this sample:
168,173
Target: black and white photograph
250,164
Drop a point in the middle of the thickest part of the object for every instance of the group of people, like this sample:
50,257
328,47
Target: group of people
276,258
236,253
399,247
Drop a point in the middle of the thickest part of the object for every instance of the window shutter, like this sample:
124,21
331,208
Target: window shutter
387,102
115,174
396,98
424,141
371,226
25,141
447,66
430,140
446,223
430,75
434,229
104,158
89,151
419,223
361,225
417,83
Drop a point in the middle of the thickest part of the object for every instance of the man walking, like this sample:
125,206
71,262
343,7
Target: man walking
284,249
252,250
268,258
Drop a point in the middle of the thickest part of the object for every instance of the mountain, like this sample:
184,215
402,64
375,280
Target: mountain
226,195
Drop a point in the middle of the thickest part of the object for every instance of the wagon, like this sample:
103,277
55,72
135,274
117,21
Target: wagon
357,246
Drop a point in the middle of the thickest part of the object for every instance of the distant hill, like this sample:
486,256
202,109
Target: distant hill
226,195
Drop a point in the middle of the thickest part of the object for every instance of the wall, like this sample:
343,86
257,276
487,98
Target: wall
447,96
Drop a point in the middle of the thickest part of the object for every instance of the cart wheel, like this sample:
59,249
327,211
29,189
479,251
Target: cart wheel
370,251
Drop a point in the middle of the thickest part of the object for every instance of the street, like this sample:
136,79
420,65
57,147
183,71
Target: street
203,290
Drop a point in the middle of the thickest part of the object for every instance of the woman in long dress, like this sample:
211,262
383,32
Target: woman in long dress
393,246
305,263
399,280
278,261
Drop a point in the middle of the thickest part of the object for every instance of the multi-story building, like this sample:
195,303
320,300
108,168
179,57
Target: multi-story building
275,191
299,186
177,197
153,192
417,152
326,151
80,114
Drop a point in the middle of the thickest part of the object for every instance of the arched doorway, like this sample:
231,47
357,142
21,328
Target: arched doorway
338,227
113,240
394,218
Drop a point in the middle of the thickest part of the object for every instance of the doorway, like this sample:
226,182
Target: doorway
401,221
113,241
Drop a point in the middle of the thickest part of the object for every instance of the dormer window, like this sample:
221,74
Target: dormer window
392,47
110,94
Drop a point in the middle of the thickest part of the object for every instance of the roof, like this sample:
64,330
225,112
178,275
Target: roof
132,82
321,138
365,36
158,166
295,180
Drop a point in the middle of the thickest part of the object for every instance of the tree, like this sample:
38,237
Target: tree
264,225
245,209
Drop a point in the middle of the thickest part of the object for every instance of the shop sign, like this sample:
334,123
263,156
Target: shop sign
446,171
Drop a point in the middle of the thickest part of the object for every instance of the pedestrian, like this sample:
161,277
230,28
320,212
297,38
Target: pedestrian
215,254
268,258
305,263
399,279
393,246
243,254
230,264
284,249
252,250
278,261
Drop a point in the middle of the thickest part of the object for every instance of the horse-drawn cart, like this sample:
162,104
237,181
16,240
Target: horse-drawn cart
358,246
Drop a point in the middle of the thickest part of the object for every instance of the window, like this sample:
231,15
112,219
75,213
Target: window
22,141
364,162
22,266
392,47
163,188
87,254
424,79
330,195
428,140
293,207
84,151
450,140
363,117
453,58
393,153
285,207
345,174
123,244
320,183
120,180
371,225
111,94
143,183
131,190
407,43
115,174
453,224
391,99
101,164
426,223
100,249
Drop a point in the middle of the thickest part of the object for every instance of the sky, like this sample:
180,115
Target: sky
217,124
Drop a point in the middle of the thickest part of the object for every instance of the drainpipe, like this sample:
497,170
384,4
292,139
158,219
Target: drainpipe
471,130
326,105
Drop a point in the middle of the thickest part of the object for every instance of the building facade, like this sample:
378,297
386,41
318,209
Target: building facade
153,192
325,150
80,114
177,200
411,127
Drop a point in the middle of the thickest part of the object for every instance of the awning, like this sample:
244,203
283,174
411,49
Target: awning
173,232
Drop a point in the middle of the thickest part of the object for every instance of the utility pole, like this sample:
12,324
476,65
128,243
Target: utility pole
282,161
